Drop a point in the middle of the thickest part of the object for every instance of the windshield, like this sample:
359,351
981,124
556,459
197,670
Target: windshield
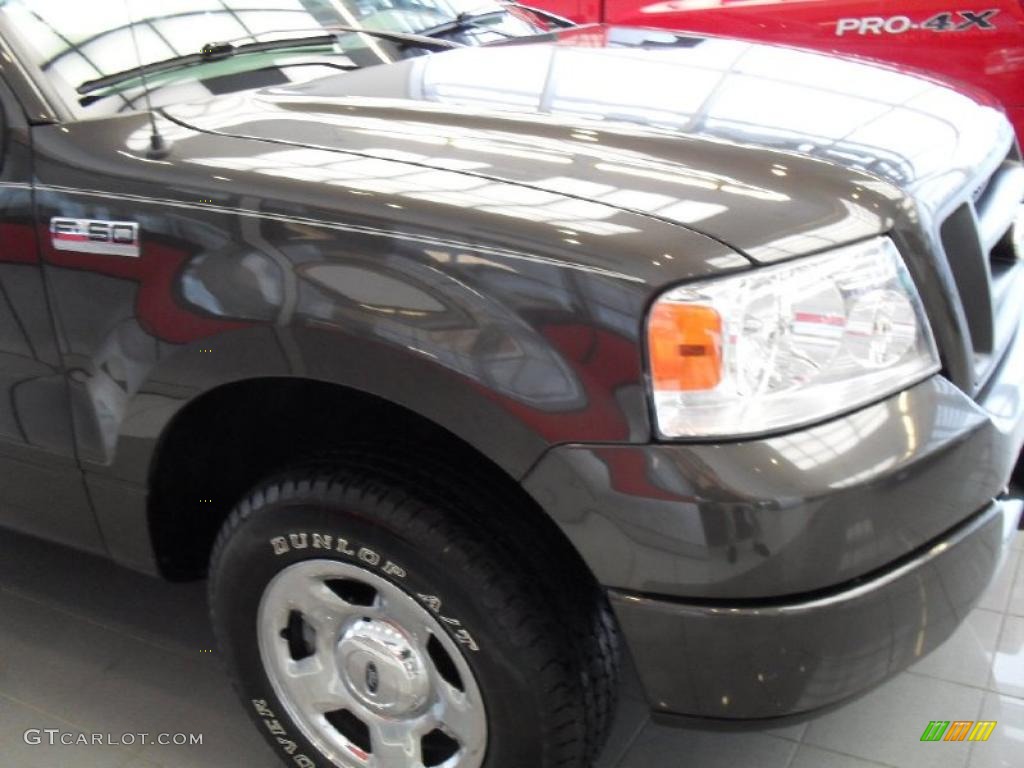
75,43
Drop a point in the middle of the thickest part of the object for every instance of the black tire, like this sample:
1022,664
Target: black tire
543,649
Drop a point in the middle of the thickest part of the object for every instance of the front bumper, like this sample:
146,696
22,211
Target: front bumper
769,577
785,657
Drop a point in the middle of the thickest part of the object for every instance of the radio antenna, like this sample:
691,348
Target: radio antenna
158,147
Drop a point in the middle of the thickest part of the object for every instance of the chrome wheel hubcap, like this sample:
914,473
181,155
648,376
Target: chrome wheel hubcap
368,675
382,668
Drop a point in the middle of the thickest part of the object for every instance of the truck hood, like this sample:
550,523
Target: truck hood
773,151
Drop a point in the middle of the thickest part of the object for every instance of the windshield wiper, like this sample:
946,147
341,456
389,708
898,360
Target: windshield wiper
553,18
218,51
467,20
483,19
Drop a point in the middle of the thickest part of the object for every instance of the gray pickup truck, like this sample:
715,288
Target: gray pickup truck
463,371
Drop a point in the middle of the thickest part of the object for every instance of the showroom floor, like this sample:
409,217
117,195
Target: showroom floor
86,646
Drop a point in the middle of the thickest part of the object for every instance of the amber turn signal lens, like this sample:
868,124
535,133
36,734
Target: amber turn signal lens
685,342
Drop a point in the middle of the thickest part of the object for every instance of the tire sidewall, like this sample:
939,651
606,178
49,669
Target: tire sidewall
289,531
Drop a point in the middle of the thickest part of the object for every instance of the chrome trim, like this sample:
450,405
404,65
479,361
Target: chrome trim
370,659
971,225
1000,205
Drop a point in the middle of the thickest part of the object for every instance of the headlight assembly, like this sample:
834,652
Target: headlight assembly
784,346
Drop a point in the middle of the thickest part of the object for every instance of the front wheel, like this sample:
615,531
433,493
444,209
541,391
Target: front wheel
371,622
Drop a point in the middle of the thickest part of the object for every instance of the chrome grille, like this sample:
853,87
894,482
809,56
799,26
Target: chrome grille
980,190
978,240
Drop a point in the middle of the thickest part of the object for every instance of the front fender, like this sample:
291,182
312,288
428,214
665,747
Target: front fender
478,309
508,361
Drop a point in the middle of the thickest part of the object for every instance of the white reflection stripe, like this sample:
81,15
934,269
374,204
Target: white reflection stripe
341,228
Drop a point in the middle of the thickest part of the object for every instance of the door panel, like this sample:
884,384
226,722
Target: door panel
41,487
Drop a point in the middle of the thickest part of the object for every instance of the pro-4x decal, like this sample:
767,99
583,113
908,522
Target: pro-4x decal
110,238
947,21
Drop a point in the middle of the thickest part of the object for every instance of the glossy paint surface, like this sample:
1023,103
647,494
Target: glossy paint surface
891,152
426,233
365,282
592,121
987,56
41,491
786,515
759,575
764,660
475,237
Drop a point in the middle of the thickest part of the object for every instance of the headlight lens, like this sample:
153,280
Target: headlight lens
783,346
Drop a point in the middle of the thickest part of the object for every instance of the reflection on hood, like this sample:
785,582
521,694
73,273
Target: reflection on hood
911,131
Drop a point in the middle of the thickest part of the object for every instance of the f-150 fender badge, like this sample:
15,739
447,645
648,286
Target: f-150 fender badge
110,238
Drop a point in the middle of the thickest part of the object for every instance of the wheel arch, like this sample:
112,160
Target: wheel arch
214,450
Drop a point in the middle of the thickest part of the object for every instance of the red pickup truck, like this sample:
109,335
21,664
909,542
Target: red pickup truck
980,44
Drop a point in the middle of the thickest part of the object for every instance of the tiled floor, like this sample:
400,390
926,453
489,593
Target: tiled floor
88,647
